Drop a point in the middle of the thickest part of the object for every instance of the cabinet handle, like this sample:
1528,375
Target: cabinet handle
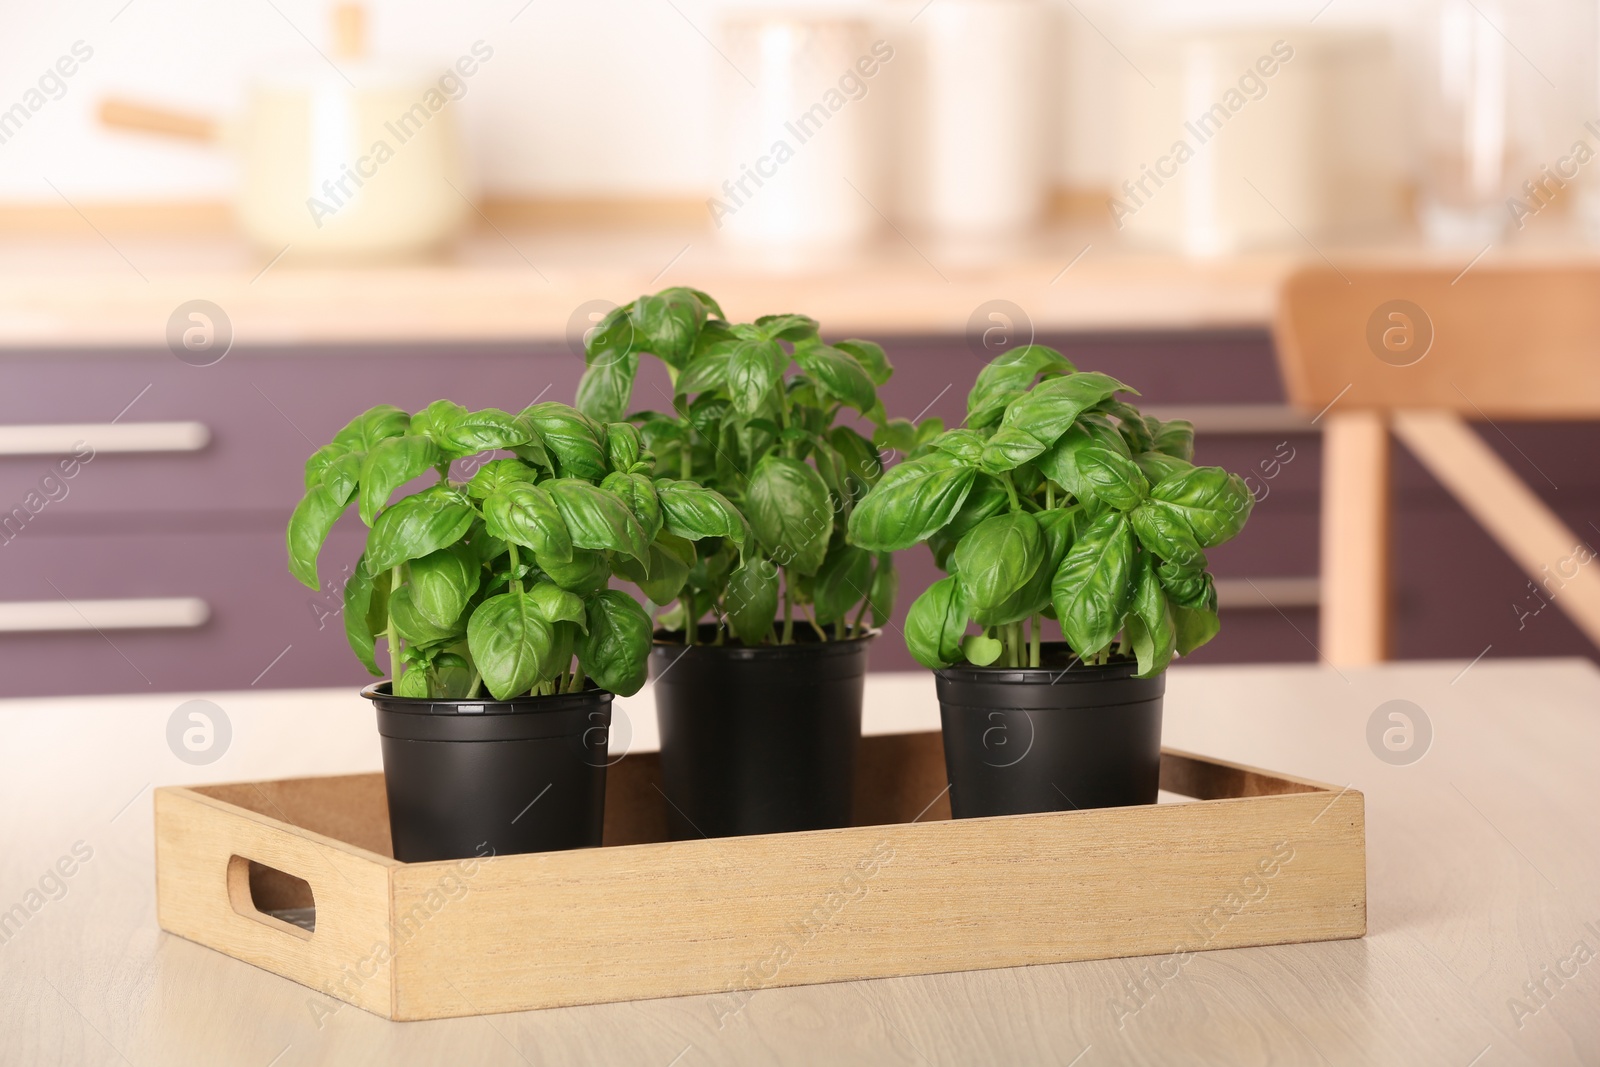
65,439
133,613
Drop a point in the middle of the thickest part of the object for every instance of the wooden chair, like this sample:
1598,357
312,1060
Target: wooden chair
1420,351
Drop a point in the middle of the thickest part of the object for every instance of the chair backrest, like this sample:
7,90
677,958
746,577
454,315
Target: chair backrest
1501,342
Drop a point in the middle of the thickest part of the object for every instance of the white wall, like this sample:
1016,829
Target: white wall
582,97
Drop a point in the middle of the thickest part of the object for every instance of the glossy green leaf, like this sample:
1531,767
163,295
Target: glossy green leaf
668,324
415,526
554,604
843,581
616,650
1213,502
896,435
371,426
1175,438
1009,448
664,576
1007,377
508,639
499,475
885,589
320,460
1164,532
996,559
390,464
343,476
1188,587
1158,466
1194,627
935,624
596,518
639,494
965,445
694,512
442,582
415,627
705,372
1093,587
527,515
1150,627
751,600
981,650
754,369
1048,409
309,526
487,431
1057,530
607,386
1112,477
838,374
435,422
790,512
575,442
586,573
358,629
871,358
910,502
787,327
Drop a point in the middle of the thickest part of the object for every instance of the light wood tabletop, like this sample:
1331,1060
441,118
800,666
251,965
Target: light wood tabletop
1483,884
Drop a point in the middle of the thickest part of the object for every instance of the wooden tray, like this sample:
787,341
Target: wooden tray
1259,859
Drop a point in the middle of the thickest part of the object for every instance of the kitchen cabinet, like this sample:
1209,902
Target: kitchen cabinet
194,522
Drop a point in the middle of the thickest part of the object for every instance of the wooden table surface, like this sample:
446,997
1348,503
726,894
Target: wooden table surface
1483,881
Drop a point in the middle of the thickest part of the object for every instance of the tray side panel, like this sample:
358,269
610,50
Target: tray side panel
347,956
731,916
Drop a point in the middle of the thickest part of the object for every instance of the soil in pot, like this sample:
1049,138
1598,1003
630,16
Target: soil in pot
472,778
1053,738
758,740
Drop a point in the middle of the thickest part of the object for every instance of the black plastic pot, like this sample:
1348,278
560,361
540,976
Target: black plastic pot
758,740
1050,739
468,778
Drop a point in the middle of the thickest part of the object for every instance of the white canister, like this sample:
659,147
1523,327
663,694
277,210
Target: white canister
799,172
974,108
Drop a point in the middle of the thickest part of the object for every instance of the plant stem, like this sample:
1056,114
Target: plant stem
577,680
1011,491
389,633
1049,495
1033,654
856,625
688,461
516,582
477,683
689,625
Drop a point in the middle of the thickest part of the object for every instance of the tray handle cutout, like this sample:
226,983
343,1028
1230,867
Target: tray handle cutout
271,896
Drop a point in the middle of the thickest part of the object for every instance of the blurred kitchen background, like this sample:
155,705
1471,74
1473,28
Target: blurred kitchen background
225,229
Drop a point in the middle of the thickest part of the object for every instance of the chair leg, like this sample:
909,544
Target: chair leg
1355,539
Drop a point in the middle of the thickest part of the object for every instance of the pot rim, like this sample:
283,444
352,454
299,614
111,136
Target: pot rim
1077,674
528,705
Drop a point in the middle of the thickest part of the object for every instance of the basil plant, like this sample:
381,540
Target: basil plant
500,581
1057,500
754,413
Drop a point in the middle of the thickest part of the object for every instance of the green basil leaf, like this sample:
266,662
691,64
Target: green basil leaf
1158,466
639,494
663,579
1164,532
1150,628
309,526
885,590
787,327
859,460
996,559
668,324
790,512
390,464
694,512
616,650
910,502
413,683
1009,448
586,573
965,445
596,518
527,515
870,356
508,639
435,422
1130,424
415,526
357,627
705,372
415,627
1194,627
607,386
554,604
323,458
711,308
343,476
843,581
487,431
1060,462
624,444
980,649
574,440
1093,587
371,426
1007,377
498,475
442,582
1188,588
1175,438
1213,502
1112,477
935,624
754,368
896,435
837,374
751,600
1047,410
1057,530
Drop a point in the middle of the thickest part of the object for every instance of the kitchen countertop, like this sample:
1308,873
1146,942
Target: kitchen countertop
1483,875
105,288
